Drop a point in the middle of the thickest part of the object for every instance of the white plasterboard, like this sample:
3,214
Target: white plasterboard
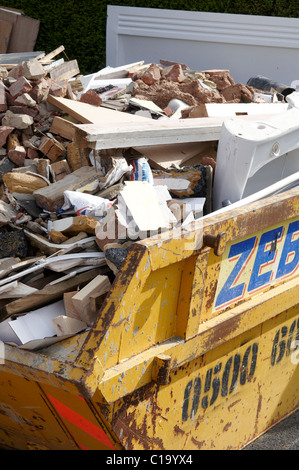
143,203
38,323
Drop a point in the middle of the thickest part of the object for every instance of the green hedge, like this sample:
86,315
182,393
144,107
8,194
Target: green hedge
80,25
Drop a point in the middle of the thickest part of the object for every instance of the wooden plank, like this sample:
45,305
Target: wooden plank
15,289
24,33
69,306
151,132
88,114
5,32
13,10
53,199
81,300
63,128
48,294
51,55
45,246
163,156
65,71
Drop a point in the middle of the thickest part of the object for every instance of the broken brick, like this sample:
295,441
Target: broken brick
12,141
4,133
57,237
40,91
20,86
26,100
91,97
238,92
195,111
151,75
17,155
17,71
3,73
58,89
33,70
221,78
22,182
32,153
33,112
174,73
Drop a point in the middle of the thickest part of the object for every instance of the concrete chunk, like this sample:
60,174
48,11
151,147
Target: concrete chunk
19,121
33,70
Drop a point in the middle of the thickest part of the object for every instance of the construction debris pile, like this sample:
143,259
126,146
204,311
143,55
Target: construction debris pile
69,212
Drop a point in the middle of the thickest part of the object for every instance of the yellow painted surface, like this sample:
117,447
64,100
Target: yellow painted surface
166,366
220,400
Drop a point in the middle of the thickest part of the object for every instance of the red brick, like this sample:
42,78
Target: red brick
4,133
174,73
58,89
33,112
32,153
17,155
151,75
238,92
17,71
19,87
40,91
91,97
221,78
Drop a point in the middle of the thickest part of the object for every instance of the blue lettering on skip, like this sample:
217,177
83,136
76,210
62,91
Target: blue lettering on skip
266,252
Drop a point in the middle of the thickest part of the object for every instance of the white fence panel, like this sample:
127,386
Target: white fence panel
247,45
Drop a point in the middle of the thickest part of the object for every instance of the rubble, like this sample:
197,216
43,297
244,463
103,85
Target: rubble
69,210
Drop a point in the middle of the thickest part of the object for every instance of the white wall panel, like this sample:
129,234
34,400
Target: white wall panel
247,45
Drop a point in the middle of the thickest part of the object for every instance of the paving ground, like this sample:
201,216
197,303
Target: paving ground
284,436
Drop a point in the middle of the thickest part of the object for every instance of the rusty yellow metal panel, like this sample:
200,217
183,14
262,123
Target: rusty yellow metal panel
88,428
27,418
220,400
196,346
35,417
